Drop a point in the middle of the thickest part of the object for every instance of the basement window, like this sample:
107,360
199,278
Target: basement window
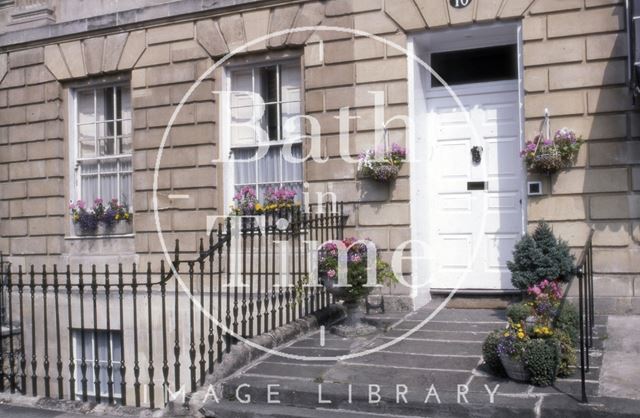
480,65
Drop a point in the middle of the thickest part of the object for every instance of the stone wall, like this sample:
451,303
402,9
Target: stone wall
576,69
575,58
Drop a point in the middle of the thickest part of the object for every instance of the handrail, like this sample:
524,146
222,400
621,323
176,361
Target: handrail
583,271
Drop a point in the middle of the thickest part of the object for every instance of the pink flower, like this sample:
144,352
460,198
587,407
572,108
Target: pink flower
72,206
81,204
98,201
331,273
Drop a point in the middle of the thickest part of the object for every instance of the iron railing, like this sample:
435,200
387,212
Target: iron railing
116,333
586,316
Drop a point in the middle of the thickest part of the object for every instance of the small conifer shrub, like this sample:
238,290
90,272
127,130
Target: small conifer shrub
540,256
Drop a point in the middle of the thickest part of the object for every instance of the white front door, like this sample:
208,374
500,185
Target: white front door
475,209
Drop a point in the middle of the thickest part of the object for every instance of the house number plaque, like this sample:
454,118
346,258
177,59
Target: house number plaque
459,4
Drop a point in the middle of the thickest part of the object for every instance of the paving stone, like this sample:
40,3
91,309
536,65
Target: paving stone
277,370
425,360
464,315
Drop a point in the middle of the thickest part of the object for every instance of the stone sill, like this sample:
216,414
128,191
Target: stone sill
94,237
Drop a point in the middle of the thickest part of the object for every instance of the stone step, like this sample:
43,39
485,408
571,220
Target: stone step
300,397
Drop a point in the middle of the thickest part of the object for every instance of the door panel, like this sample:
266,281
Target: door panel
488,221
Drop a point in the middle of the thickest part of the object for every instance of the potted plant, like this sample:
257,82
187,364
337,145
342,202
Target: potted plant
112,219
383,169
549,155
511,348
357,269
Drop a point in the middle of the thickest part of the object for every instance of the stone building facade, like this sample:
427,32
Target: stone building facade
572,61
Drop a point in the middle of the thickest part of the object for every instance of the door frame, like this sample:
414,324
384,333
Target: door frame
421,46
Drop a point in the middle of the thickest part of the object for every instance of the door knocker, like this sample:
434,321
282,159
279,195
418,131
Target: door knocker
476,154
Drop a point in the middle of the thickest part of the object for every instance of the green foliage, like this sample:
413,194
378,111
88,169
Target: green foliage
539,256
556,249
541,359
518,312
567,354
490,353
568,321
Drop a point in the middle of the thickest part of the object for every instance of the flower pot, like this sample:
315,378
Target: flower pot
117,228
516,369
338,292
79,232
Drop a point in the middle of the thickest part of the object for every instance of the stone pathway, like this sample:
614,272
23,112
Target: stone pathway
621,366
435,371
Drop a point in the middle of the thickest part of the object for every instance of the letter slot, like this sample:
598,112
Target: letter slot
477,185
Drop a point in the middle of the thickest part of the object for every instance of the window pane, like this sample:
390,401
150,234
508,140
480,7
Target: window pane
241,85
245,171
242,134
292,171
125,182
290,80
88,187
123,128
104,103
487,64
297,187
87,140
269,122
291,123
85,106
267,78
108,186
125,102
269,166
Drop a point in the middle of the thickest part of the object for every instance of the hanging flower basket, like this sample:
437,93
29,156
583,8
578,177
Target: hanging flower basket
550,155
383,167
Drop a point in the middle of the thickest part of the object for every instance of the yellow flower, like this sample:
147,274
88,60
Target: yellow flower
258,206
118,217
126,216
521,335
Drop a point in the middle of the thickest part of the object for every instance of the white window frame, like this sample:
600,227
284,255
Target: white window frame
227,145
74,159
89,361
